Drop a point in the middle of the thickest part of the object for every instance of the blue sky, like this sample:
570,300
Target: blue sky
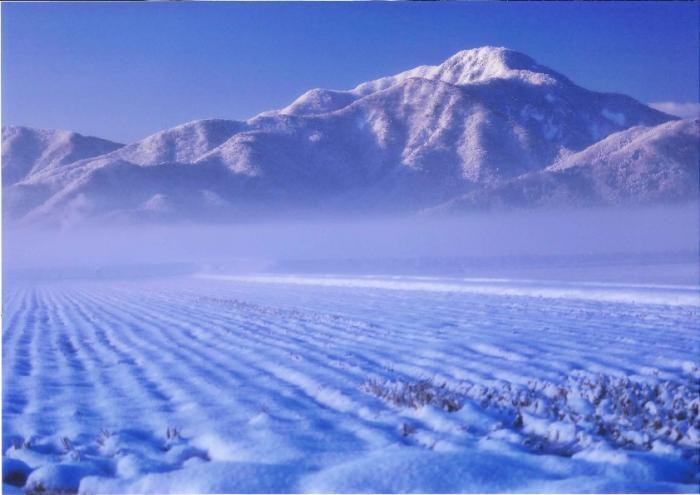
124,70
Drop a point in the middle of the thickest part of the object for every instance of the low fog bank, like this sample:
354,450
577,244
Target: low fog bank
645,244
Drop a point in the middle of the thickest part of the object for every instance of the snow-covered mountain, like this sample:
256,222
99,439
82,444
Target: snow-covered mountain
481,119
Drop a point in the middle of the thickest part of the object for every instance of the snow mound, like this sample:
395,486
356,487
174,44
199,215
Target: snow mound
589,409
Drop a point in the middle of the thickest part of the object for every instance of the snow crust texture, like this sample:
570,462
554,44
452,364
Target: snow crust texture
249,385
488,126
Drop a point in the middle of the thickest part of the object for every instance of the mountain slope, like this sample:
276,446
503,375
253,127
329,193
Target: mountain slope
27,151
401,143
642,165
182,144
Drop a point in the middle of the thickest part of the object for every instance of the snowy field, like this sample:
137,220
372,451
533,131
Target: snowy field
312,383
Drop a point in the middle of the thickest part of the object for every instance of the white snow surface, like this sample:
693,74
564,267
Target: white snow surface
293,383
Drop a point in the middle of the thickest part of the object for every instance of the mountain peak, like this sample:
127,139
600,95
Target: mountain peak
495,58
467,67
474,66
494,62
484,52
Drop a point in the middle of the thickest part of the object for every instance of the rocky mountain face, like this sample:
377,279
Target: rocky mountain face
487,127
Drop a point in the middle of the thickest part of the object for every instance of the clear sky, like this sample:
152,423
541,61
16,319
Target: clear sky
124,70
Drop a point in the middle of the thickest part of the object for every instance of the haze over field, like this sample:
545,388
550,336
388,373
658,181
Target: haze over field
484,244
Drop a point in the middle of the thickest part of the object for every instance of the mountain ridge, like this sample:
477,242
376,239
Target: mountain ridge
408,142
